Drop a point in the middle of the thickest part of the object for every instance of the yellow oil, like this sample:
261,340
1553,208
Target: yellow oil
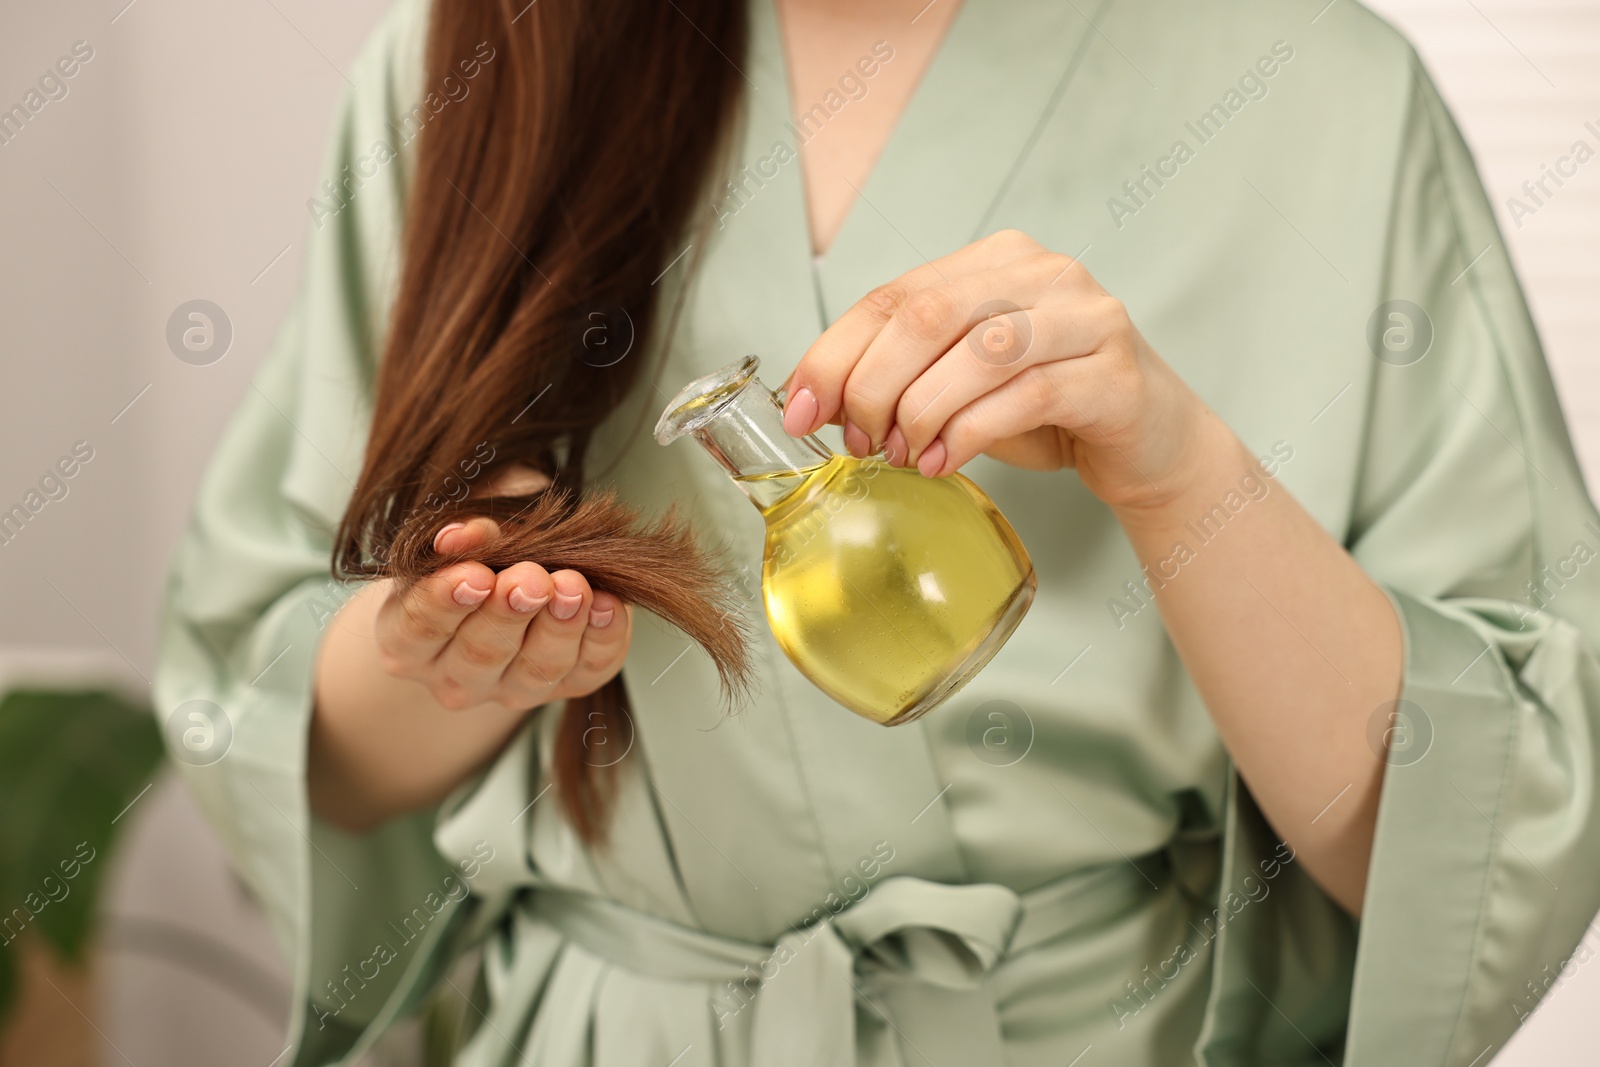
887,589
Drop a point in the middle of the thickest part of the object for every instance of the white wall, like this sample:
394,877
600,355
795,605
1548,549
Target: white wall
1523,77
178,165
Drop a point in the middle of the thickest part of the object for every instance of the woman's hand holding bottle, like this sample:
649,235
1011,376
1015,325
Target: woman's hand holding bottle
1006,348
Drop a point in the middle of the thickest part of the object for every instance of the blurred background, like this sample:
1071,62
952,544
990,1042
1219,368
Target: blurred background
172,166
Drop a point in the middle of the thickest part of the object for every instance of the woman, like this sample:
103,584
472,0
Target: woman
1292,758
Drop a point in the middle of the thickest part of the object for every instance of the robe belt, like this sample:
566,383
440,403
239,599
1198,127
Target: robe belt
910,951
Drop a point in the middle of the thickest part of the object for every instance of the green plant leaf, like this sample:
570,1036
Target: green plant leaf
70,763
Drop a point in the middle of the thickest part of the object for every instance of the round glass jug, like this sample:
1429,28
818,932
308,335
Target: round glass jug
887,590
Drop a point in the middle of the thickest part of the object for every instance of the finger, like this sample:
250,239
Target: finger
981,308
816,387
467,536
514,479
488,639
993,353
894,448
604,645
550,646
414,624
1024,404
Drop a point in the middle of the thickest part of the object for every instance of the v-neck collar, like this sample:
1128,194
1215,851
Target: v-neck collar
990,85
757,289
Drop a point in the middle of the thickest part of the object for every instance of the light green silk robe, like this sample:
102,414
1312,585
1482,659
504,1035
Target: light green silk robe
1254,179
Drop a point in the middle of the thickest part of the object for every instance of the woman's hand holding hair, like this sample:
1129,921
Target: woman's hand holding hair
419,687
521,638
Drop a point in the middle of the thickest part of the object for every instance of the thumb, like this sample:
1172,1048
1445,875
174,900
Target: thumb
468,536
515,479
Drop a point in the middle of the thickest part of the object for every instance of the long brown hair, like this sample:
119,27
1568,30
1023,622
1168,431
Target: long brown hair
566,180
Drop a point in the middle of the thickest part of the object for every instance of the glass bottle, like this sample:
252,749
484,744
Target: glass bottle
887,589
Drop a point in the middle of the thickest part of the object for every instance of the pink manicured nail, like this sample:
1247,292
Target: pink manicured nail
856,440
440,535
932,459
469,597
565,605
894,448
600,618
524,602
800,416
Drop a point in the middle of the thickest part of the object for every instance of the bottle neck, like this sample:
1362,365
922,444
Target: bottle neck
747,437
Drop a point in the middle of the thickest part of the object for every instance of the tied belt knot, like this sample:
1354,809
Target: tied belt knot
911,952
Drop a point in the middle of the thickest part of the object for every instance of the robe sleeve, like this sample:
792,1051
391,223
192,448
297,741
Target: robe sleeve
249,592
1471,512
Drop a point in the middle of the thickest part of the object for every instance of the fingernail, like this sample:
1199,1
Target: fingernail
932,459
894,448
800,416
565,605
600,618
440,535
468,597
521,600
856,440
